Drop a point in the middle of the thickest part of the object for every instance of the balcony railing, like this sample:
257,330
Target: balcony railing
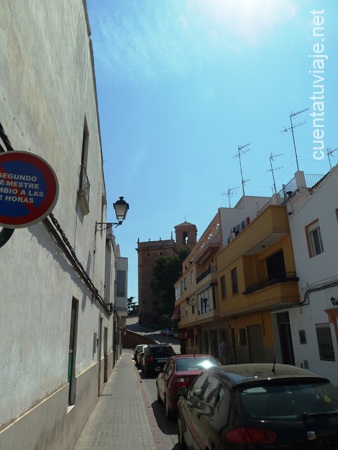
84,190
211,269
266,282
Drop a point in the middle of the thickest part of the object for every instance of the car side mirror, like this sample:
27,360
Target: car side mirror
182,391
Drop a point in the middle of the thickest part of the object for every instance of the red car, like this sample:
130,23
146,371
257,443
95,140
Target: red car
179,371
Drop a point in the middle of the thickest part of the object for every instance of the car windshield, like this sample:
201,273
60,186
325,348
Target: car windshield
162,351
288,401
186,364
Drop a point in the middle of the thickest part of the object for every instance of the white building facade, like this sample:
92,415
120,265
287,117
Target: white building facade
60,329
314,323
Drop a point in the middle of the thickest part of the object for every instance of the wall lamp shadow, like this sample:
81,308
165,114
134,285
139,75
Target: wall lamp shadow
334,301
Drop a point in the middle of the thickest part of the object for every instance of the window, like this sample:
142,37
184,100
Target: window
196,388
242,336
275,267
302,336
72,352
223,287
325,345
285,401
84,185
234,281
314,239
121,283
210,392
204,304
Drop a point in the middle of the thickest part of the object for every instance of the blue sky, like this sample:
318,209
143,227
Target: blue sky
183,83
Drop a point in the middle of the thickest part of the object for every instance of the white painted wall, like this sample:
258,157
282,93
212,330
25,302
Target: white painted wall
314,272
47,90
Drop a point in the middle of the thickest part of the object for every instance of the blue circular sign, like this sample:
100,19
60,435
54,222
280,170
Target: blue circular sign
28,189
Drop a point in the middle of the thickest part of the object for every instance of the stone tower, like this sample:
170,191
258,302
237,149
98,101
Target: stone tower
148,254
186,235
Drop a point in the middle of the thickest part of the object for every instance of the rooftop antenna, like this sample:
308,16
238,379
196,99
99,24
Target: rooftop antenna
272,170
292,126
240,152
329,153
229,193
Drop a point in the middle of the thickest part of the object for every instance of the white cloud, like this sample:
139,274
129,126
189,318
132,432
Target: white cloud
148,39
249,20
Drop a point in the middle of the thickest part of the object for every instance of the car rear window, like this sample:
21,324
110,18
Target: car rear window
186,364
163,351
288,401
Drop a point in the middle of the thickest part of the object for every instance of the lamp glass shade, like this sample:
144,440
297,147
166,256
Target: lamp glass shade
121,208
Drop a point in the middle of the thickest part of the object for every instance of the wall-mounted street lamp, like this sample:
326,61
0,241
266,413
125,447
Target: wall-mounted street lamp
121,208
334,301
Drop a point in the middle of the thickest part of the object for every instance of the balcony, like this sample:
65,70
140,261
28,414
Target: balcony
263,232
121,306
266,282
208,271
84,190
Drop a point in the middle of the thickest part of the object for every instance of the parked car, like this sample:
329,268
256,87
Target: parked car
258,407
155,356
167,332
138,353
180,370
139,356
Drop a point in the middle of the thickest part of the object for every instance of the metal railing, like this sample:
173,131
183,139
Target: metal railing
84,183
266,282
211,269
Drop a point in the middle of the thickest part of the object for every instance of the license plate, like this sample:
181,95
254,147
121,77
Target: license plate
162,360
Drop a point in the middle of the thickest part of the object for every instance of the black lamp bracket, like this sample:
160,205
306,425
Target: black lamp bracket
101,226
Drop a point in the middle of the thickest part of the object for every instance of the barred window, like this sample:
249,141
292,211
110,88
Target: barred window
324,339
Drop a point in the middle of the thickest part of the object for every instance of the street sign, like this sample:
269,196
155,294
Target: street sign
28,189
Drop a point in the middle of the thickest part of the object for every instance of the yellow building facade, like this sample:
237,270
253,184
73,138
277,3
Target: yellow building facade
256,280
238,283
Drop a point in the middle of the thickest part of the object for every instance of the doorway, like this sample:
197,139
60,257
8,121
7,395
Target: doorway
285,338
256,346
72,352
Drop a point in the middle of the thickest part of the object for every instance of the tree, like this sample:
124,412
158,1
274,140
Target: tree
166,272
132,307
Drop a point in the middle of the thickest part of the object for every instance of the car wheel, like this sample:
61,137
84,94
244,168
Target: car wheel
180,433
169,413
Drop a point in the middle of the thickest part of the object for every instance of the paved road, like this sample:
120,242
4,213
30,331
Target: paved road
167,429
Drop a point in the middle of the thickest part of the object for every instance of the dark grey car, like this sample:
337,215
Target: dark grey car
155,356
258,407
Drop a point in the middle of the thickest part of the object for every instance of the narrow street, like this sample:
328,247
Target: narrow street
167,429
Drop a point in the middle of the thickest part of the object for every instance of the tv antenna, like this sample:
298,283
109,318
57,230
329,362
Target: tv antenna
274,168
240,152
329,153
229,193
292,126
